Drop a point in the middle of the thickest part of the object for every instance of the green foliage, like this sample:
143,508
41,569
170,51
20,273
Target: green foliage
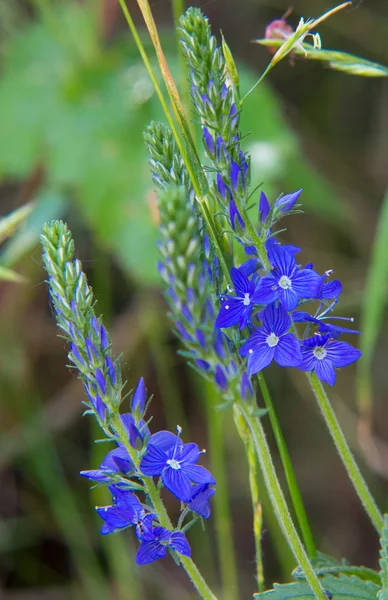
327,565
383,593
335,59
338,588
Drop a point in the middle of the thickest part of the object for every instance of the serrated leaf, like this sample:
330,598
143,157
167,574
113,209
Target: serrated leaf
327,565
340,588
383,593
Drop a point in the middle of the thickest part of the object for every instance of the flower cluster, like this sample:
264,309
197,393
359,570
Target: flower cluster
138,456
189,268
270,285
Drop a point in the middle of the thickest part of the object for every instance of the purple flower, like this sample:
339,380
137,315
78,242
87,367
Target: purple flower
135,429
235,214
175,462
154,542
116,461
200,500
139,397
320,320
287,202
125,511
237,309
272,342
264,207
286,282
322,354
209,142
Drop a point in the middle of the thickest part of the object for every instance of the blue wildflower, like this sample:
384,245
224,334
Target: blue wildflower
237,309
286,282
116,461
200,500
287,202
323,355
272,342
235,214
125,511
139,397
175,462
154,542
264,207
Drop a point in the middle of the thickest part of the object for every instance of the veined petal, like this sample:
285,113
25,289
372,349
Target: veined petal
200,500
154,461
282,260
325,371
231,311
331,289
198,474
299,316
257,338
178,482
164,440
267,291
275,319
287,351
148,552
189,454
307,283
308,359
289,298
179,543
342,354
240,281
260,358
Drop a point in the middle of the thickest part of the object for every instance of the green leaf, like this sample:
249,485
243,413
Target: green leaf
8,275
327,565
337,60
339,588
383,593
11,222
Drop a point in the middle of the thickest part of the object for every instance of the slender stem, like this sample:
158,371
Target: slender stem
156,501
346,454
277,496
178,7
296,496
223,518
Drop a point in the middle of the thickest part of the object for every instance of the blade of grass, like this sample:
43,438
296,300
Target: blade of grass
373,307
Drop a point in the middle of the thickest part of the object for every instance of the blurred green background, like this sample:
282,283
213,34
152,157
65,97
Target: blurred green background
74,99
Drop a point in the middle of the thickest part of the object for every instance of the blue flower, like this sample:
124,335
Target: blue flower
154,542
237,309
287,202
116,461
272,342
235,214
200,500
320,320
286,282
264,207
323,355
125,511
175,462
139,397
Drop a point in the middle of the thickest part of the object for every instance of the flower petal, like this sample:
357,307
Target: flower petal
240,281
200,500
281,260
289,298
287,351
198,474
307,283
342,354
231,311
257,338
178,482
179,543
267,291
325,371
154,461
164,440
275,319
149,552
260,358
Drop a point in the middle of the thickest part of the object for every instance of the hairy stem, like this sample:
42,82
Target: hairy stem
276,495
296,496
345,453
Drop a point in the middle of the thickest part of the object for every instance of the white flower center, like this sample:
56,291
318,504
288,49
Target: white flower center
272,340
174,464
285,282
247,300
320,352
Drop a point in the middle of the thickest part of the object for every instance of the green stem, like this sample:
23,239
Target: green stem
277,497
250,452
160,510
223,518
296,496
346,454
